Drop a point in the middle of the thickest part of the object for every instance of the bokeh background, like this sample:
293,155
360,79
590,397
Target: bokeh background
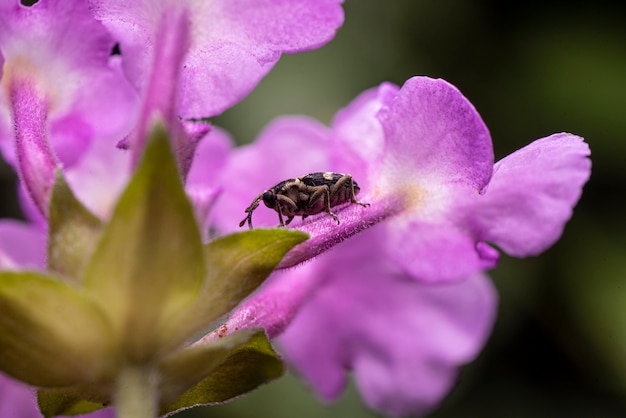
531,69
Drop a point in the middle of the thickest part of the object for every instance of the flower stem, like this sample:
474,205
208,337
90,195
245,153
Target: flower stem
136,393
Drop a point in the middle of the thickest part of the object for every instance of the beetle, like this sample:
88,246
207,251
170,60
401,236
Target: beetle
307,195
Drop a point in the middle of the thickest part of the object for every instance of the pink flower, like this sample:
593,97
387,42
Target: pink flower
61,90
405,303
233,43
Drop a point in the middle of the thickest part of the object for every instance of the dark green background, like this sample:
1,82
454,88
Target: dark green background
531,69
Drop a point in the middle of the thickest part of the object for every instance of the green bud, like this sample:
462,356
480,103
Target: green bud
50,333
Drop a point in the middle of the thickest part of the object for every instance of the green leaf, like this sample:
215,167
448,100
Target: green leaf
236,265
149,264
50,334
71,401
73,232
247,366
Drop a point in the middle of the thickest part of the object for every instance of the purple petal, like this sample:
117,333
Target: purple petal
64,53
29,209
211,156
99,177
18,400
325,233
190,135
437,252
103,110
434,134
403,340
234,43
359,140
36,162
22,246
160,94
532,194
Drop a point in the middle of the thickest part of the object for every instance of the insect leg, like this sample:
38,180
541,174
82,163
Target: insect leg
280,214
322,192
288,204
327,204
347,178
289,219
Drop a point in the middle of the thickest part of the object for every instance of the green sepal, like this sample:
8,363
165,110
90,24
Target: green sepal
183,369
247,366
73,232
149,264
236,265
50,333
71,401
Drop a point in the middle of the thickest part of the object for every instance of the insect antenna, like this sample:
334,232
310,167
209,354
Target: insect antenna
249,210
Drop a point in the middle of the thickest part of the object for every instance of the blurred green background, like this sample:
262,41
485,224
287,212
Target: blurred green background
531,69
